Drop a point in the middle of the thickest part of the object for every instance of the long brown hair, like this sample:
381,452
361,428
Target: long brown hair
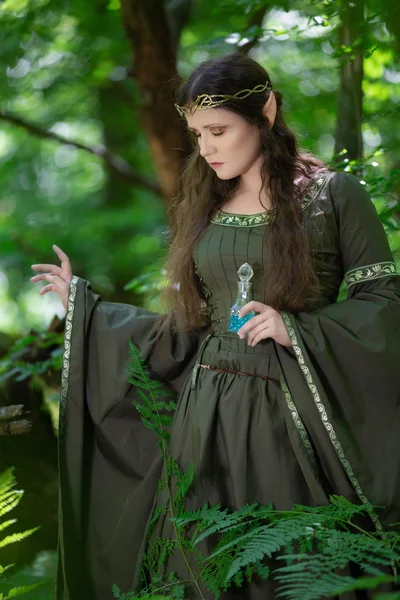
289,271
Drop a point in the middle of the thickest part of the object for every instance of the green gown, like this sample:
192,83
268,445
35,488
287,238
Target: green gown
275,424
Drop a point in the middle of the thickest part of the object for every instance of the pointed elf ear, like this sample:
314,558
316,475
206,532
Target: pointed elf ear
270,108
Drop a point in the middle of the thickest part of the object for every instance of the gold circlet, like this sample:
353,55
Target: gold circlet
204,101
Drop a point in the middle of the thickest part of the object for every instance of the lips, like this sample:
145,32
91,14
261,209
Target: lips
216,164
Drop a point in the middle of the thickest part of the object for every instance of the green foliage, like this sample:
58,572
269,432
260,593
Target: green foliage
9,499
68,70
37,577
156,408
14,365
316,544
155,403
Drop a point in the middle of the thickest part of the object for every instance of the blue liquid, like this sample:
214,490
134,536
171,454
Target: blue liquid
235,322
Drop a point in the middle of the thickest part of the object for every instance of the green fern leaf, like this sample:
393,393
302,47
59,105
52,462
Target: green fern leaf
223,521
6,524
22,590
7,480
184,483
17,537
9,501
307,587
264,541
367,583
4,569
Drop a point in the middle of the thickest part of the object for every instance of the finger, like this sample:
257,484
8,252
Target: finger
36,278
61,255
253,305
254,332
47,277
262,335
56,270
251,323
42,277
48,288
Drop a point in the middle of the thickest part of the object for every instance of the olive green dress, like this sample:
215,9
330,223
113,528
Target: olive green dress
265,423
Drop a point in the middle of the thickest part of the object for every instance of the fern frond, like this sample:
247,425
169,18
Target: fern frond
22,590
264,541
154,402
4,569
224,520
6,524
183,484
7,480
367,583
9,501
17,537
205,514
307,587
310,576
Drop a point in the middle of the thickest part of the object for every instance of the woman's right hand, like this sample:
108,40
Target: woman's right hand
58,278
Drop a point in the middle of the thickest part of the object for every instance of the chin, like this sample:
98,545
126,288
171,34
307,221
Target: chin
225,177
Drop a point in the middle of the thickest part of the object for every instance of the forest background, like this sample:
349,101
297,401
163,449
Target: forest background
90,150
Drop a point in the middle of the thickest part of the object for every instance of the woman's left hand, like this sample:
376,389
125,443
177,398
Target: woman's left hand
268,324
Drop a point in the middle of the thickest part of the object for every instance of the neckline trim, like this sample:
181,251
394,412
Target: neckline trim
233,219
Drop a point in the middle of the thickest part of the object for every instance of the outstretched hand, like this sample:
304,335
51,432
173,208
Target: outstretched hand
267,324
58,278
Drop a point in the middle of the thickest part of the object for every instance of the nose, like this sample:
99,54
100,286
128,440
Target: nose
206,146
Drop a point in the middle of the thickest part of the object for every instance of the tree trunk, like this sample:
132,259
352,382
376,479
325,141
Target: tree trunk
155,72
349,109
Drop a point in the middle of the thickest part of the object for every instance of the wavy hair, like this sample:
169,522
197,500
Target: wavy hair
289,270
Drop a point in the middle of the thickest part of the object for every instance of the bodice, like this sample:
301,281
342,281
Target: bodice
231,240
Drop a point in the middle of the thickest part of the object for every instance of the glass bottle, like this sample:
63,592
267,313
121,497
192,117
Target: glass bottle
244,296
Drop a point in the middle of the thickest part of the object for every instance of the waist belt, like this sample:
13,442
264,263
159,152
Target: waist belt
197,366
239,373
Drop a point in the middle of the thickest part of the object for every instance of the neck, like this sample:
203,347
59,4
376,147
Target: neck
250,183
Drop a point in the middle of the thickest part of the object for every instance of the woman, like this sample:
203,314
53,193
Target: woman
300,402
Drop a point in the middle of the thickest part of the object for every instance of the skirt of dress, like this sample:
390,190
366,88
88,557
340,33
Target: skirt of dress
238,431
243,434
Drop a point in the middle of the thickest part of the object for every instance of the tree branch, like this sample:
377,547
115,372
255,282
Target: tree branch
9,427
113,162
256,20
177,13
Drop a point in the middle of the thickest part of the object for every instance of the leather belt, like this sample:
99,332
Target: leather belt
239,373
198,365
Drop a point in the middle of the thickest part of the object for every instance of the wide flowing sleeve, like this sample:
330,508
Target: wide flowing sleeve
349,356
109,463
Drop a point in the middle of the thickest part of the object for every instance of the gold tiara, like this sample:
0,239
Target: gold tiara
205,101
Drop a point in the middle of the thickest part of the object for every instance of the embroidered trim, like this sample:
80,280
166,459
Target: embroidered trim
263,218
223,218
297,420
327,424
67,352
368,272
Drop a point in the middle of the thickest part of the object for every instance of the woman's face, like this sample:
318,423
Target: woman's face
229,144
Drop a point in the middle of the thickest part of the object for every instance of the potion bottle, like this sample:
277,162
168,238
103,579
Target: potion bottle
244,296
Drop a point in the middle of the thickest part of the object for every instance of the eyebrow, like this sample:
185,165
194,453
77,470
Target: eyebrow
208,126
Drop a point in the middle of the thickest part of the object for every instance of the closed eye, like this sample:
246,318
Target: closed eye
214,133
